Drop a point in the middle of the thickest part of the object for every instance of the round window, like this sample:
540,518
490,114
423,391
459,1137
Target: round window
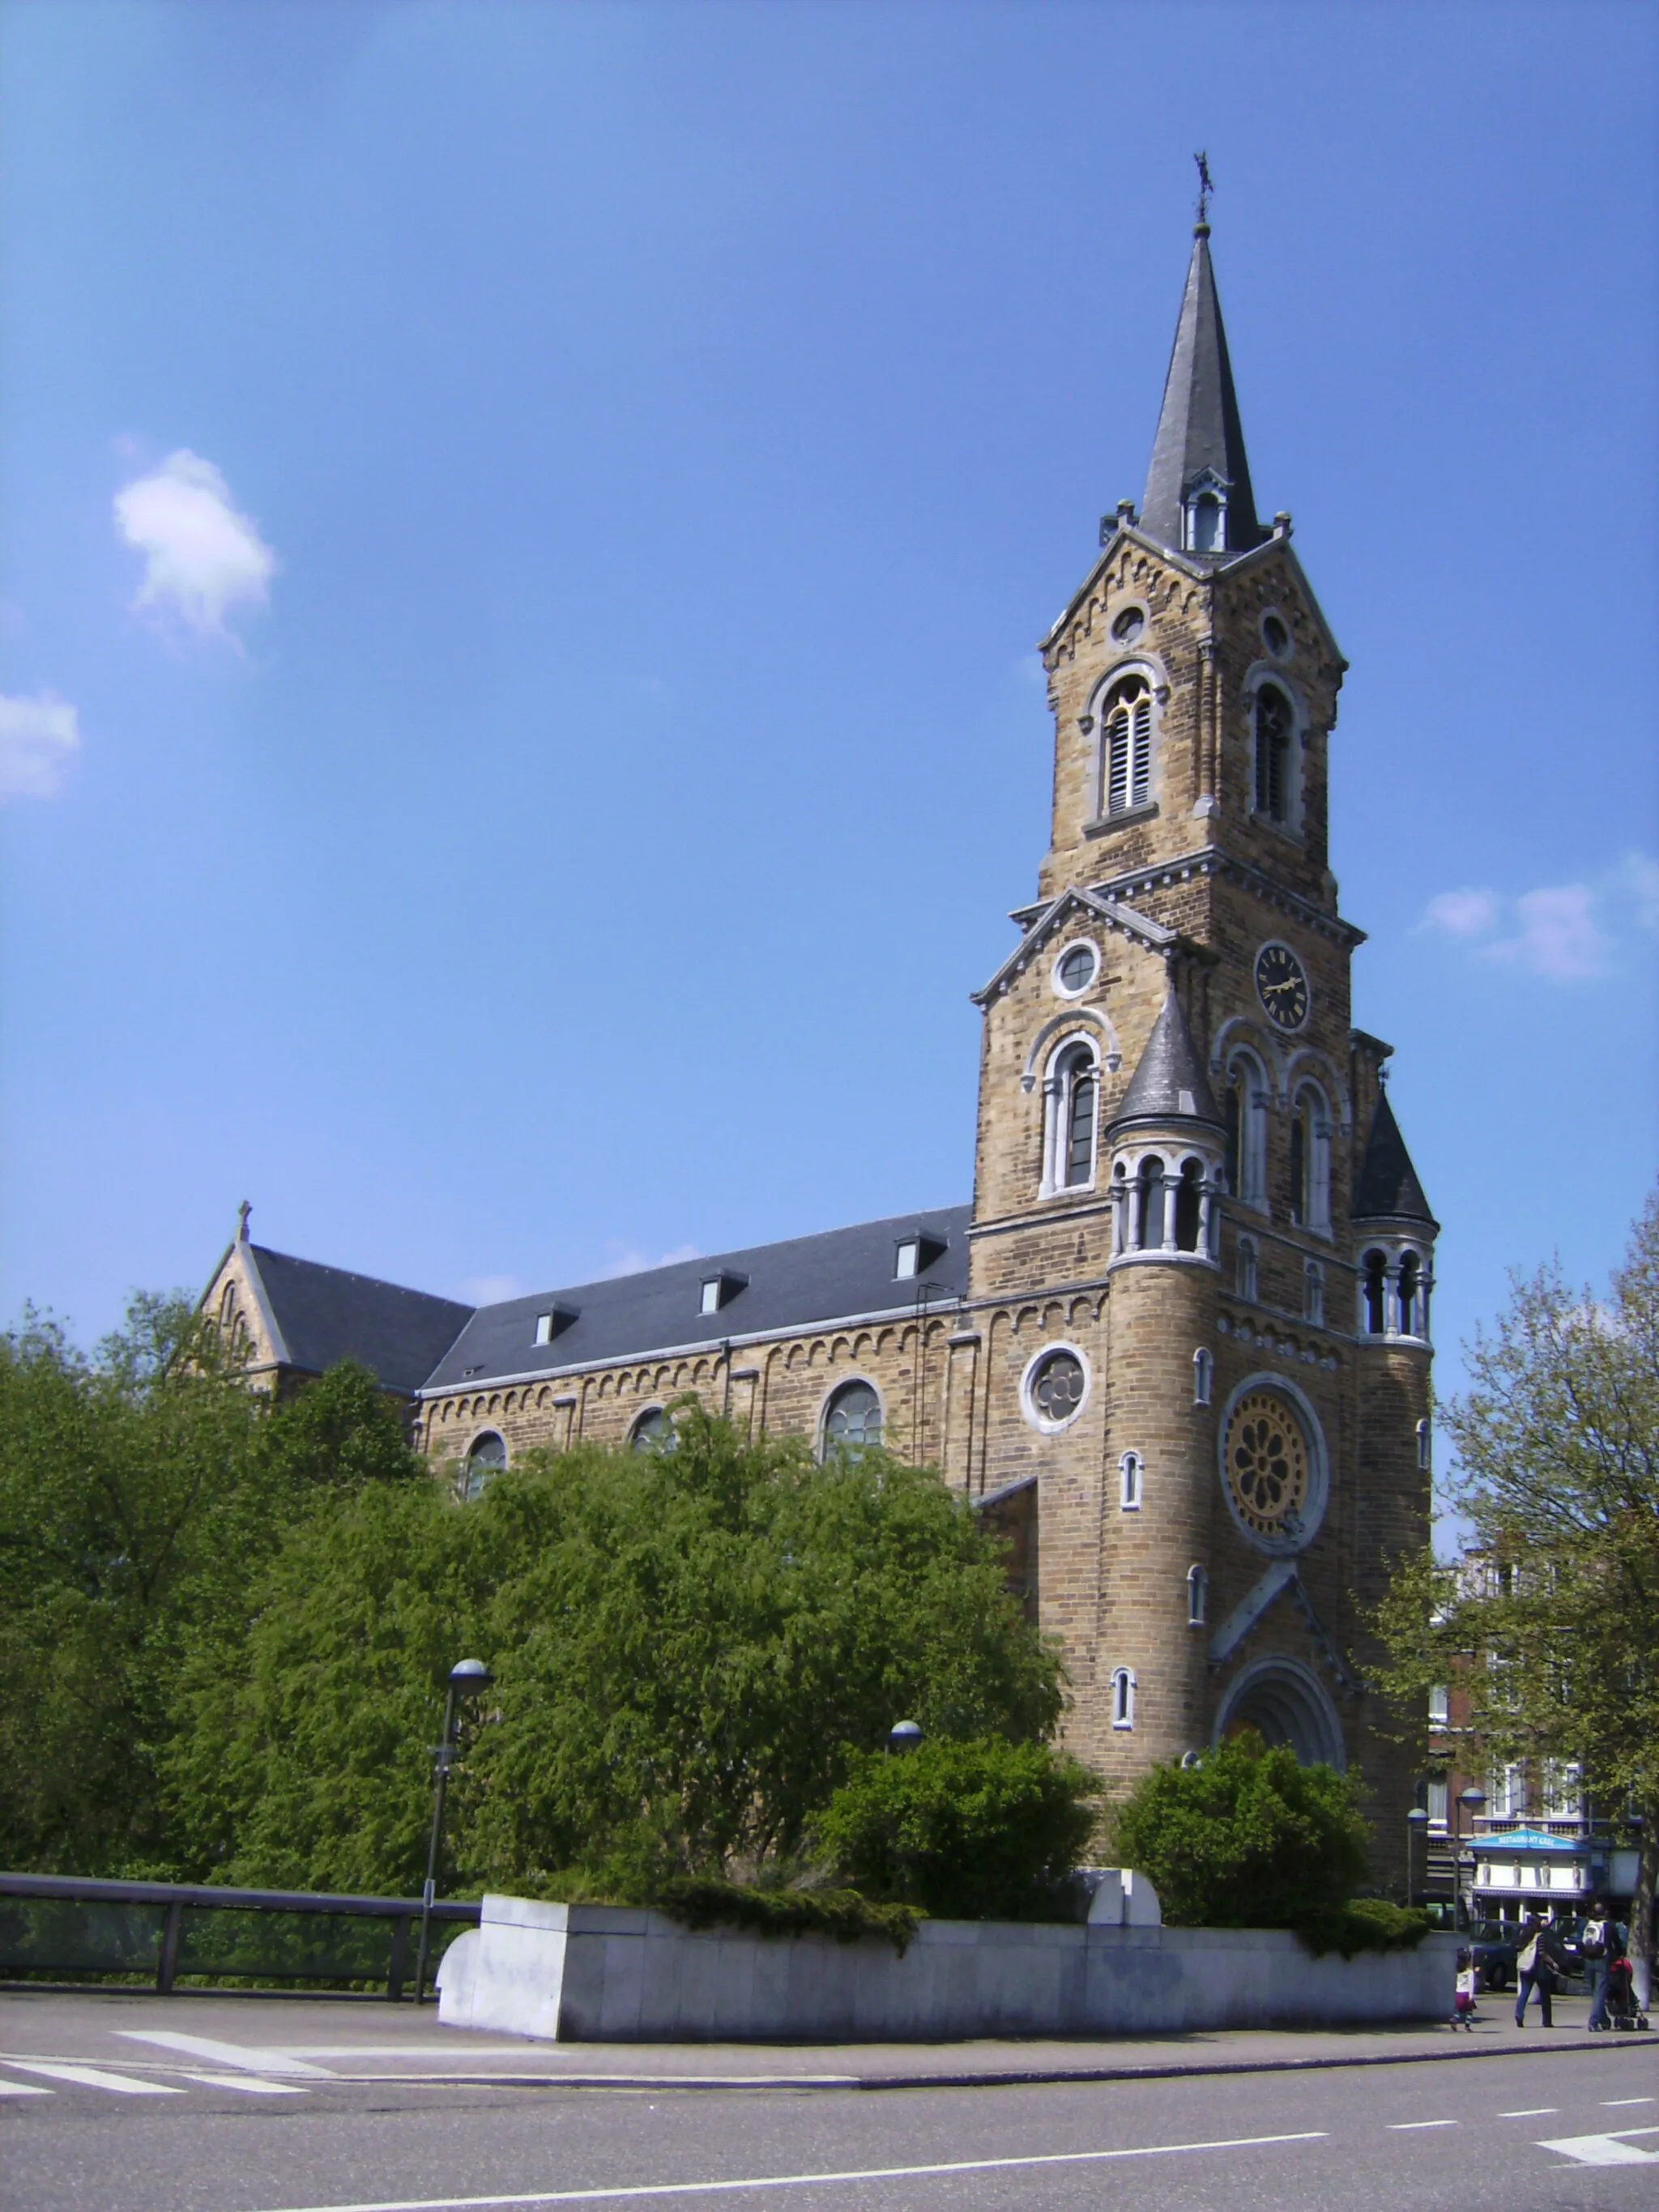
1267,1463
854,1421
1275,636
1076,969
1128,626
1057,1387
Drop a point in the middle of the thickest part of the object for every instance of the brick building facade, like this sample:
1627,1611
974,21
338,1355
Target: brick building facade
1178,1345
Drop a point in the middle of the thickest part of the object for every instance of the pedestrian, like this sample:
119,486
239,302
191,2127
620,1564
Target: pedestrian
1596,1944
1535,1965
1463,2002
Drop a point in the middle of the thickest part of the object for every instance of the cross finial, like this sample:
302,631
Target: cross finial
242,1214
1205,189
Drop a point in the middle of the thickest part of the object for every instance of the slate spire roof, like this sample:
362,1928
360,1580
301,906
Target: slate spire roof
1170,1083
1198,428
1388,1190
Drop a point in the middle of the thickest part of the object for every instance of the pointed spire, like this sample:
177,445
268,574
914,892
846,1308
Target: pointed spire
1388,1190
1200,445
1169,1085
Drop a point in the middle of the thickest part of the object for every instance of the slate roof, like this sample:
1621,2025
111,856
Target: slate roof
325,1314
1170,1083
838,1274
1199,427
1387,1189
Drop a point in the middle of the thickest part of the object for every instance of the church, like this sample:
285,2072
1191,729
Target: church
1176,1346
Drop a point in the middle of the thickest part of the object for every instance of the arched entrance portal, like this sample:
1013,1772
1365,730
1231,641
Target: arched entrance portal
1285,1702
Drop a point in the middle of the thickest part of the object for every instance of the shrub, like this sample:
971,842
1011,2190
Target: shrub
980,1830
1247,1838
1369,1923
842,1913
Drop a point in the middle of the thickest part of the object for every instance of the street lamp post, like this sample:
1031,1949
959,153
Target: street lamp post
904,1736
1417,1824
1469,1800
466,1678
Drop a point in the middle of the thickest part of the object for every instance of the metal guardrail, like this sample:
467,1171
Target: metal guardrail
69,1924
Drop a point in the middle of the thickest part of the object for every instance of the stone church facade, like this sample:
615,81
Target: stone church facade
1178,1347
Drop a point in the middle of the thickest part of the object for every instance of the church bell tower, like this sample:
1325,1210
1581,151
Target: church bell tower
1200,1260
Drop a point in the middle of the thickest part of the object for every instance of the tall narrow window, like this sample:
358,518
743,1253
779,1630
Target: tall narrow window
1123,1698
1411,1275
1080,1096
1126,745
1198,1597
486,1457
1313,1293
1130,1468
1188,1210
1235,1121
1151,1238
1275,728
1373,1289
1245,1273
1203,1374
1247,1129
1309,1183
1425,1446
1298,1192
1206,523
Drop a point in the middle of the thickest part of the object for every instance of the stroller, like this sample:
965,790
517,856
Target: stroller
1621,1996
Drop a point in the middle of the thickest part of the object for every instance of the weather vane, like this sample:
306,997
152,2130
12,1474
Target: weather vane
1204,187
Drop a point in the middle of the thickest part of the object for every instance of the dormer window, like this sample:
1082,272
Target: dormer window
719,1290
914,1255
1205,515
554,1323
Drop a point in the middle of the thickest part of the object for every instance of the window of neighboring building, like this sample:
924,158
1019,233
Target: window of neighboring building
1130,1469
1126,726
486,1457
1123,1698
1435,1806
1275,733
1198,1597
852,1418
1439,1706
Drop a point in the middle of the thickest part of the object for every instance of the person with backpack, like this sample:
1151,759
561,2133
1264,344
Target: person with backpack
1596,1944
1536,1965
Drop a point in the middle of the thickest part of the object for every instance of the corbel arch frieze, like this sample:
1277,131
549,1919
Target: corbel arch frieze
1073,1016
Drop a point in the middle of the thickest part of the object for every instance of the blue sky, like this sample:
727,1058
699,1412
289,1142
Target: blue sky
524,531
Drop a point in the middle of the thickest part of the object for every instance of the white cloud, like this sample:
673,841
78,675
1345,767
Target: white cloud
37,737
491,1289
202,558
627,1259
1461,913
1567,932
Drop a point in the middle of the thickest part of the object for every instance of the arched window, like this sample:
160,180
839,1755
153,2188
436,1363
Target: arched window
653,1431
486,1457
1188,1206
1424,1445
1123,1698
1150,1208
1310,1159
1203,1374
1313,1293
226,1304
1411,1284
1245,1272
1275,737
1373,1292
1247,1128
1072,1101
1198,1597
1130,1468
1207,530
852,1418
1125,746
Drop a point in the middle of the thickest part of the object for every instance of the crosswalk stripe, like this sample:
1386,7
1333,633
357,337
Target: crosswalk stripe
94,2077
249,2084
246,2059
21,2089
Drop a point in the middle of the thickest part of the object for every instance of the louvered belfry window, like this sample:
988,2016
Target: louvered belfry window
1129,745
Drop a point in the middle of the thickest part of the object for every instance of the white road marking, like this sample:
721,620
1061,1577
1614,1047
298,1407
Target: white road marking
1605,2150
800,2180
249,2084
1626,2100
23,2089
247,2058
94,2077
1531,2112
1404,2127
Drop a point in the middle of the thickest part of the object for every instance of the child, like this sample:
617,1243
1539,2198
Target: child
1463,2003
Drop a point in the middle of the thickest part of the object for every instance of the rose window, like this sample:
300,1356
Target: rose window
1268,1465
1057,1387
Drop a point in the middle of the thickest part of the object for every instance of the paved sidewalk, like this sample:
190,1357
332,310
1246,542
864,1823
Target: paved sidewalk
311,2038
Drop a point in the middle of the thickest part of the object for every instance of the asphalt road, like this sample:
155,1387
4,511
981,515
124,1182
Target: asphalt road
125,2122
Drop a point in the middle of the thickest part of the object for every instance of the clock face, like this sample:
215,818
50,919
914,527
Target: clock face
1282,984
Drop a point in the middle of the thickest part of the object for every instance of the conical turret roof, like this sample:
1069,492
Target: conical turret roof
1169,1085
1388,1190
1199,428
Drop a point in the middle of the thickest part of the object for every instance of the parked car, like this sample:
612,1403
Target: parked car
1492,1946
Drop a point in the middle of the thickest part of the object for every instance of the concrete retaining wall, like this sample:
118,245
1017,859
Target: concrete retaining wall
595,1974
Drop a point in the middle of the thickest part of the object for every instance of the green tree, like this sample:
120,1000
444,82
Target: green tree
142,1492
1544,1624
688,1648
1245,1839
982,1829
